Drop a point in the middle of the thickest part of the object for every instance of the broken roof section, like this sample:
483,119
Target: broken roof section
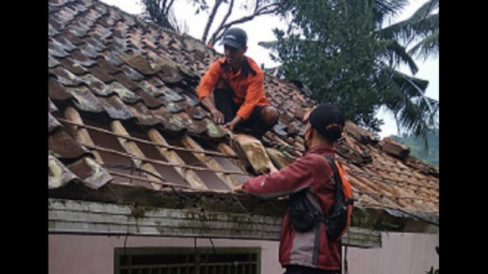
123,112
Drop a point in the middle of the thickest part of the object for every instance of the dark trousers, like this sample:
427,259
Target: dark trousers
225,104
298,269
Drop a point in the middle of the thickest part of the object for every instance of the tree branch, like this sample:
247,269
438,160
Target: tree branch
268,9
210,19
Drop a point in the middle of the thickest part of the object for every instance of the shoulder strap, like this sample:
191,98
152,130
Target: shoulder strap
337,177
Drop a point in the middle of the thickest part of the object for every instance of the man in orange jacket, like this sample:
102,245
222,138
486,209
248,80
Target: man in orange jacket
237,84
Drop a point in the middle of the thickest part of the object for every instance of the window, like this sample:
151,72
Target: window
187,261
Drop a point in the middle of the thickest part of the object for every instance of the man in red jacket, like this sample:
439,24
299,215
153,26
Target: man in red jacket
237,84
308,252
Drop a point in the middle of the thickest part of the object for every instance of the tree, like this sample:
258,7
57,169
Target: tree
158,11
338,49
419,149
422,29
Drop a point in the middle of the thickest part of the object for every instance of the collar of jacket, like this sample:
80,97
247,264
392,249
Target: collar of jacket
321,149
245,67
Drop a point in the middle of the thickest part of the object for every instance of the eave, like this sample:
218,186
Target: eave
81,217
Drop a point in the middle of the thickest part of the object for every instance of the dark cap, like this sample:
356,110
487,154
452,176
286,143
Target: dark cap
328,120
235,37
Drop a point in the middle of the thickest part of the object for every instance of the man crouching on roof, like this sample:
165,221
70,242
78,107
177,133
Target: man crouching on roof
237,84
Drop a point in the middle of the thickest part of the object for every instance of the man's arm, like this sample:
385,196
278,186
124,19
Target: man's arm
207,83
290,179
218,117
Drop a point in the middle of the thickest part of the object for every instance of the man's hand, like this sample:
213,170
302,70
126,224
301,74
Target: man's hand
230,125
237,189
217,116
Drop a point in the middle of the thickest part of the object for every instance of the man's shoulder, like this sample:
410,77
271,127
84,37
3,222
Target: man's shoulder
217,64
254,65
313,159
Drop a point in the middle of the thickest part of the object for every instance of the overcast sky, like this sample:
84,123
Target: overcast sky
260,29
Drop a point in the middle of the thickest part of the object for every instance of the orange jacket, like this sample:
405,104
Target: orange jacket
248,91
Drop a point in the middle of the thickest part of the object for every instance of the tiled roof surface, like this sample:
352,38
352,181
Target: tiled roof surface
123,111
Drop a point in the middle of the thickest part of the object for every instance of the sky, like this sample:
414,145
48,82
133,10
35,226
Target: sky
428,69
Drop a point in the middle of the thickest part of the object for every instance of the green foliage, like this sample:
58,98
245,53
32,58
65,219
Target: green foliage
337,49
418,148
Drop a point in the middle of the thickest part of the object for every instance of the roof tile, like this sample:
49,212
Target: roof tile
115,108
155,81
56,50
126,81
96,85
132,74
165,117
150,89
149,100
63,146
112,57
169,74
72,65
85,100
63,43
88,50
139,63
171,95
124,93
51,106
106,21
56,91
100,73
53,123
91,173
213,131
52,62
70,35
52,31
182,119
80,31
143,115
65,77
58,174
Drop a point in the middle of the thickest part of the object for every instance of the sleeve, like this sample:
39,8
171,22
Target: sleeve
209,80
290,179
255,91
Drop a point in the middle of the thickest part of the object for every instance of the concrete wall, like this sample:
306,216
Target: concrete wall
76,254
401,253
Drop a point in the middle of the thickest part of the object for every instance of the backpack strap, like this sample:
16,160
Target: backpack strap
337,178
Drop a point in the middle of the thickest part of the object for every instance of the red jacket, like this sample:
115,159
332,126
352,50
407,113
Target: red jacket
311,170
248,89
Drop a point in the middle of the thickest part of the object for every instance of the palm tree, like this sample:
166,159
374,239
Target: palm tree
422,28
402,94
412,110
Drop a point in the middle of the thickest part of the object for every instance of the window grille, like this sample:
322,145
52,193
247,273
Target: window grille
187,261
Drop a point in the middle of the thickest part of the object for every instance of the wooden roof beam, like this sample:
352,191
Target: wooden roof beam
80,133
132,148
171,156
209,162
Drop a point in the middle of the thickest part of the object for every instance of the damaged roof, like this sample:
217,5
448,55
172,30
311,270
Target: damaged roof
124,116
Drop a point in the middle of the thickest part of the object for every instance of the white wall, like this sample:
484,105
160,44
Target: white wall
76,254
401,253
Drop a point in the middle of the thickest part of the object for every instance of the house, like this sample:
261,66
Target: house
139,176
